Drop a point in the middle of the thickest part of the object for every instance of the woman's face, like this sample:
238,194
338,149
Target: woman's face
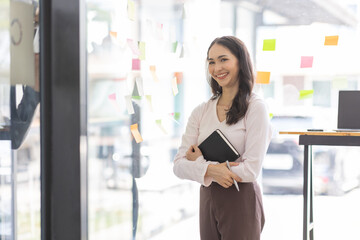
223,66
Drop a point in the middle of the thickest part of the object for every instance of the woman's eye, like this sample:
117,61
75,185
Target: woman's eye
223,59
210,63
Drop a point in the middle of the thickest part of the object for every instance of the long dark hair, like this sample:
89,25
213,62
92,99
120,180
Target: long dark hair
240,102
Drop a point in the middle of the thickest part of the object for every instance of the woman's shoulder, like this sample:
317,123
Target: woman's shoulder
204,106
256,101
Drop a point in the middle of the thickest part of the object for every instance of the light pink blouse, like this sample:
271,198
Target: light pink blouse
250,136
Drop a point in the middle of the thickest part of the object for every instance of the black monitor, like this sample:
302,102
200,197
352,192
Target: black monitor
349,110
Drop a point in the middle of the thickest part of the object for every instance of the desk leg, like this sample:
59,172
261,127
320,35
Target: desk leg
308,226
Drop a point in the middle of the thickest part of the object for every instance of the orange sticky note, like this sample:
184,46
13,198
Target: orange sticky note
153,73
263,77
331,40
179,77
135,132
113,34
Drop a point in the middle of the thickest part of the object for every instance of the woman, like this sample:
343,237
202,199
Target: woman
241,115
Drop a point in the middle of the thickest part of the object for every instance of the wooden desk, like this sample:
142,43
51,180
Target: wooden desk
317,138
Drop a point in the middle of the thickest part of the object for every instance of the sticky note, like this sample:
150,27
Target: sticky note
263,77
159,124
112,96
131,10
136,97
149,101
306,61
271,116
179,77
174,46
113,34
182,52
183,15
129,106
135,64
306,94
142,50
133,46
177,115
139,85
269,44
331,40
340,83
135,132
153,73
174,86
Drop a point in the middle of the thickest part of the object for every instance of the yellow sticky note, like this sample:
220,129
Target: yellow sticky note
263,77
340,83
269,44
148,98
135,132
304,94
174,86
331,40
131,10
271,116
158,122
142,50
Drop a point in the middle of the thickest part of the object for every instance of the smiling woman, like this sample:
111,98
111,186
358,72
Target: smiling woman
248,130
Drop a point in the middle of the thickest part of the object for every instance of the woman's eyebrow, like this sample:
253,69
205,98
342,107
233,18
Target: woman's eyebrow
221,56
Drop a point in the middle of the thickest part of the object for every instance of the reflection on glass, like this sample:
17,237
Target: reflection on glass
132,190
19,121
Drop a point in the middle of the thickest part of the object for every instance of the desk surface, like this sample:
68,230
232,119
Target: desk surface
332,133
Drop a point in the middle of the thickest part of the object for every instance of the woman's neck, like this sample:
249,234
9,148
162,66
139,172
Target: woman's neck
227,97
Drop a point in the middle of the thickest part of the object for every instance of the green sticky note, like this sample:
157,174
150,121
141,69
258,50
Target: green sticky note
136,97
142,50
304,94
158,121
174,46
269,44
177,116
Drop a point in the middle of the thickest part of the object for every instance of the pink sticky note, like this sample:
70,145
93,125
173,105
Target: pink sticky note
112,96
306,61
133,46
136,64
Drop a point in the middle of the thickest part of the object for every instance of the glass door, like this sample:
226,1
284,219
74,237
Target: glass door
19,121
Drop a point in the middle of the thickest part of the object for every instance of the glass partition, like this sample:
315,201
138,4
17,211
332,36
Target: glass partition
19,121
146,73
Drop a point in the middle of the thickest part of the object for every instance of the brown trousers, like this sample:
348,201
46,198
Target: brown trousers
226,214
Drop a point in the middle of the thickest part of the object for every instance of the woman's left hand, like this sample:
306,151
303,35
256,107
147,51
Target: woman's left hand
193,153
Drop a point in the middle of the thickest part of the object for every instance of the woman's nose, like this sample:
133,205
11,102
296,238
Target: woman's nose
217,68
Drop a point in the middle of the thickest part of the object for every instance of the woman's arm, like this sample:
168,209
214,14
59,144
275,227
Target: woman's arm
192,169
257,138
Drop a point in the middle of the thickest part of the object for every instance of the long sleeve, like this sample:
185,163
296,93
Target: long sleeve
191,170
257,138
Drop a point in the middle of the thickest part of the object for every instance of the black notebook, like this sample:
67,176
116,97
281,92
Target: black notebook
217,148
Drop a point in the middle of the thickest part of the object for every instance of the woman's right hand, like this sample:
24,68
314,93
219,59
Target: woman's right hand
222,175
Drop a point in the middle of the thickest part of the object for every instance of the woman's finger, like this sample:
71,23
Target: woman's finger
233,164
